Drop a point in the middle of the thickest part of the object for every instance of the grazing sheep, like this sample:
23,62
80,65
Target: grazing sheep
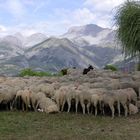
48,89
59,97
7,95
121,98
25,96
85,100
132,109
131,95
109,100
97,97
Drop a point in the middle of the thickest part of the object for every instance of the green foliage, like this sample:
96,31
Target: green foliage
110,67
30,72
127,20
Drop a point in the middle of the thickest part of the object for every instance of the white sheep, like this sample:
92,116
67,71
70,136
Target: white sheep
132,109
25,96
47,105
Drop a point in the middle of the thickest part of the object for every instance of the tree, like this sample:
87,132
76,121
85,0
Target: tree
127,20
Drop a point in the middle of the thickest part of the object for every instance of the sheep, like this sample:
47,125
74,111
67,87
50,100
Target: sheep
72,93
49,89
59,97
132,109
25,96
47,105
110,100
121,98
34,98
74,72
84,98
131,94
138,104
97,97
7,95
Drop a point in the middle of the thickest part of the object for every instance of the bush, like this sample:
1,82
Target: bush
30,72
110,67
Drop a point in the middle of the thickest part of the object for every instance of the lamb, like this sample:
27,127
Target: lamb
132,109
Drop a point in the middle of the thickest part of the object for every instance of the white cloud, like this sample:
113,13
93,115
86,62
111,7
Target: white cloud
2,29
83,16
105,5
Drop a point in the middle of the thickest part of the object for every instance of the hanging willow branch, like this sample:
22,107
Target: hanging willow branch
127,20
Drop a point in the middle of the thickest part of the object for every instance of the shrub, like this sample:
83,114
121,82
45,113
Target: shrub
110,67
30,72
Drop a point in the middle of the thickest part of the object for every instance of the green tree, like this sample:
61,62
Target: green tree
127,20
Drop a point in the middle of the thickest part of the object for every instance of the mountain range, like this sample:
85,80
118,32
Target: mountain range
78,47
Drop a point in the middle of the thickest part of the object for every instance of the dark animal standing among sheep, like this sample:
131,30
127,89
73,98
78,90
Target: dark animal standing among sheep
86,70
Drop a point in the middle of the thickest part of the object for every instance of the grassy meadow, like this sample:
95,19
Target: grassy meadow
64,126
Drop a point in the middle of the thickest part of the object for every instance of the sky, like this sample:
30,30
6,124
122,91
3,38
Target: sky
54,17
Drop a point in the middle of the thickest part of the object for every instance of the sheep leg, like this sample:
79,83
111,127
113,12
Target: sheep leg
118,106
91,109
126,110
69,105
112,110
11,107
95,105
76,106
23,106
63,103
102,109
83,107
88,105
96,110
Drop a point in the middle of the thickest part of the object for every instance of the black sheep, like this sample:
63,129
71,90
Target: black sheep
86,70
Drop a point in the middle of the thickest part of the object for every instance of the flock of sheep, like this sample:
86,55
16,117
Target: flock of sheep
98,92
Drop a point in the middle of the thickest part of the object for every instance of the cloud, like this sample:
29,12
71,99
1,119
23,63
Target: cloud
31,16
83,16
105,5
3,28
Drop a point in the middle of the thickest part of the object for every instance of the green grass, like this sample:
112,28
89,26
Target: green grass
63,126
30,72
